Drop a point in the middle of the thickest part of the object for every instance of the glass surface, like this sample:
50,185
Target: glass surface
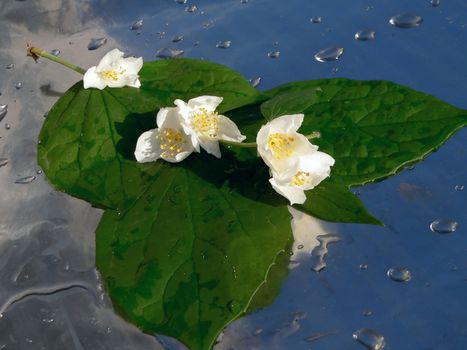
51,296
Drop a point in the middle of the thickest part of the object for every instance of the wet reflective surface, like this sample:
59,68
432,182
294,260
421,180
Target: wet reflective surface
50,294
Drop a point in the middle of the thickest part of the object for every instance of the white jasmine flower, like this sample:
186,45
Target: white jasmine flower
205,126
114,71
168,141
296,164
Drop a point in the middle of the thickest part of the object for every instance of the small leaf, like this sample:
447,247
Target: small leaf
372,128
336,203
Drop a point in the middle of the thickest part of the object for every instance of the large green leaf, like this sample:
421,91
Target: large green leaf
188,256
372,128
86,143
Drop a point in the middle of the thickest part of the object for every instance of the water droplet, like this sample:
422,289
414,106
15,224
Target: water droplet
363,266
365,35
137,24
457,187
444,226
435,3
191,8
181,1
399,274
10,66
168,52
55,52
18,85
3,111
330,54
406,20
255,81
320,252
370,338
224,44
7,126
177,38
25,180
274,54
3,162
316,19
95,43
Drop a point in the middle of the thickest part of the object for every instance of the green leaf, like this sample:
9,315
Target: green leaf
372,128
336,203
188,256
87,141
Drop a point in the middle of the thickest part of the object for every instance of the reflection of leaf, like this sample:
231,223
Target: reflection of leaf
371,128
186,258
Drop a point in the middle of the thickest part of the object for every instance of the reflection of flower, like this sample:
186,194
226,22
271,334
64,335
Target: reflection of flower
114,71
296,164
205,126
168,142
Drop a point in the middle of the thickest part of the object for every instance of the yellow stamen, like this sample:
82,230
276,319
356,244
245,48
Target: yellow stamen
172,142
206,123
112,74
281,145
301,178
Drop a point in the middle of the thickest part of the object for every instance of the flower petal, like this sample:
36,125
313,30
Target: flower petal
211,147
148,147
168,117
132,65
295,195
228,130
286,124
209,103
109,60
92,79
318,165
